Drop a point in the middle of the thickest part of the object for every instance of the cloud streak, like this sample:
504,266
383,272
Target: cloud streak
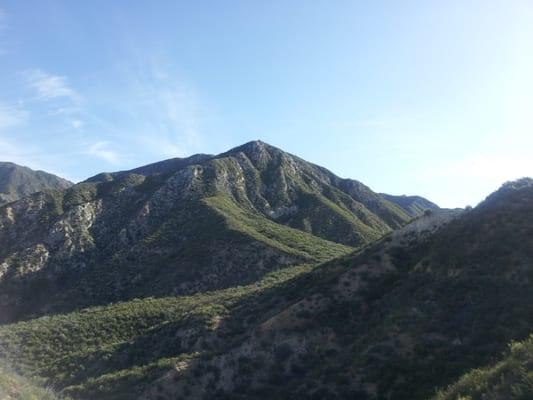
165,113
51,87
55,91
170,111
101,150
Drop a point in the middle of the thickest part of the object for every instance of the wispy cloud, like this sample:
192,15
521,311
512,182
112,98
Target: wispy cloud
59,96
170,112
102,150
49,87
164,110
11,116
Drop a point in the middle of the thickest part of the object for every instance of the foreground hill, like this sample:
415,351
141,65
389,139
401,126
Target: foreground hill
17,182
398,319
180,226
511,378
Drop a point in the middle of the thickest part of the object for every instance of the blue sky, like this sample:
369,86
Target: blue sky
417,97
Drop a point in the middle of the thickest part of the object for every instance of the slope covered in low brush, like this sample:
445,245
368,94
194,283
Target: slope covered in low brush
408,315
397,320
178,227
117,351
511,378
15,387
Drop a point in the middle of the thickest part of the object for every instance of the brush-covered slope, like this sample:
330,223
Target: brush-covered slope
17,182
398,319
511,378
408,315
412,205
179,227
118,351
15,387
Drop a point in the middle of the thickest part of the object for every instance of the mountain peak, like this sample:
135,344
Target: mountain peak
254,146
259,152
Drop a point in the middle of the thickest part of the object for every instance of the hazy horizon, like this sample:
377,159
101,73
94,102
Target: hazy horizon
418,98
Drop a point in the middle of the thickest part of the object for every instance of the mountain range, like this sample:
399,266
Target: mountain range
255,274
179,227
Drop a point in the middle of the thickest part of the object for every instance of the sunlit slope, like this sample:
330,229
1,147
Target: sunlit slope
510,378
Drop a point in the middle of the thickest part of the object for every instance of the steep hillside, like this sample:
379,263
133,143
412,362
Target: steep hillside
17,182
408,315
412,205
398,319
179,227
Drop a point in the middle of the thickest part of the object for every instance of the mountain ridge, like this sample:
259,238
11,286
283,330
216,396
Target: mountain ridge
181,226
412,205
17,181
181,283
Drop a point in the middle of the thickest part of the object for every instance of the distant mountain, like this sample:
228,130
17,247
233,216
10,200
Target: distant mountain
412,205
181,226
17,181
